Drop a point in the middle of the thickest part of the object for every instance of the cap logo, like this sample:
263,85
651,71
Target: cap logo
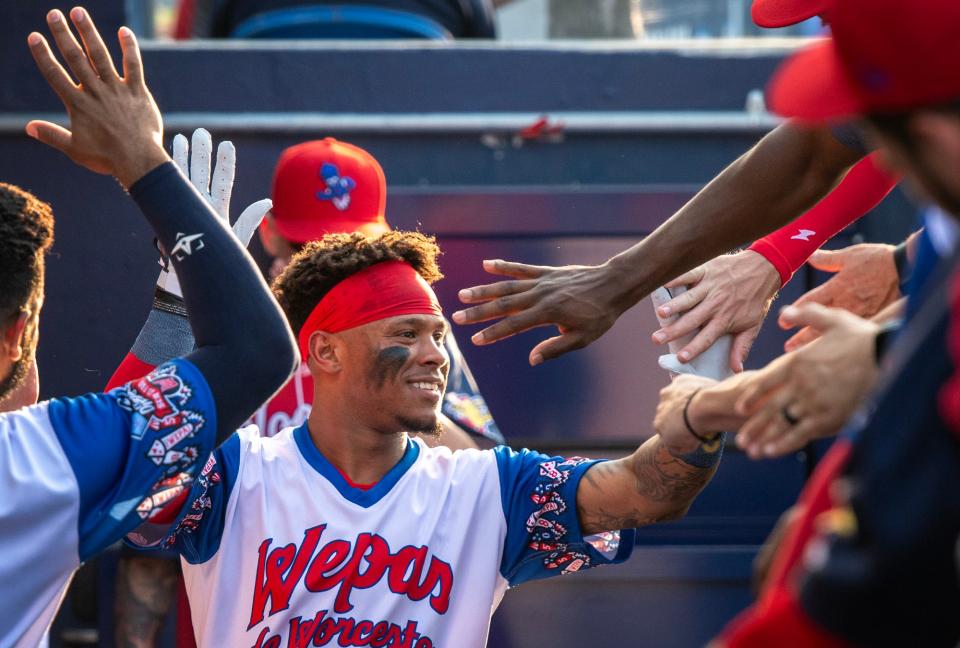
338,187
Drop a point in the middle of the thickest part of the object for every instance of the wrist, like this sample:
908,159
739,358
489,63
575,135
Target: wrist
137,163
626,280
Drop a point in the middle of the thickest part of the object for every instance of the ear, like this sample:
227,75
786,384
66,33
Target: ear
324,353
13,338
938,133
269,235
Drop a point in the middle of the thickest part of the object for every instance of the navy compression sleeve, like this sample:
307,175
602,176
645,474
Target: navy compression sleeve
244,347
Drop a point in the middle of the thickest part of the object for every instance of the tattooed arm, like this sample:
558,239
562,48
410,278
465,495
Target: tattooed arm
662,478
146,588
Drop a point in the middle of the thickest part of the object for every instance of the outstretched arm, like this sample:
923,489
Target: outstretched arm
662,478
785,174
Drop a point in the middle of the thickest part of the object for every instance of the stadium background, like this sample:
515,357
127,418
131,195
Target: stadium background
633,129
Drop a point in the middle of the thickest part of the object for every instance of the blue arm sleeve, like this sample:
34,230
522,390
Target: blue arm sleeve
197,531
244,347
122,445
539,497
462,403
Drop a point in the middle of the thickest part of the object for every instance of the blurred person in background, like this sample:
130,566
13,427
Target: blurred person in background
447,18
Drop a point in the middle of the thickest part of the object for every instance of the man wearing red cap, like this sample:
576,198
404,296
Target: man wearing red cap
871,557
328,187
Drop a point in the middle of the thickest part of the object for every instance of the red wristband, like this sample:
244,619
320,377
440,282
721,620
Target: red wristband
862,189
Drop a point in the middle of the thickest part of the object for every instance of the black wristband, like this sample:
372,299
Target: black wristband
904,269
686,421
884,337
167,302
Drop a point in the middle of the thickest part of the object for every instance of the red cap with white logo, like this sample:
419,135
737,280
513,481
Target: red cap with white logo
885,56
327,187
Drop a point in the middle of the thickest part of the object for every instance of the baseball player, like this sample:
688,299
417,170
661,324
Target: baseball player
78,473
345,529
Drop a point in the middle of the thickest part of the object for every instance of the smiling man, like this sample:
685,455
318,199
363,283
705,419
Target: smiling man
348,531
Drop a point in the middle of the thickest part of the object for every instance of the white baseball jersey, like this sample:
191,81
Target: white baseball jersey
76,474
280,550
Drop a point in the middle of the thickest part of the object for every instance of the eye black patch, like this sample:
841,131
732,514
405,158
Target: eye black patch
388,364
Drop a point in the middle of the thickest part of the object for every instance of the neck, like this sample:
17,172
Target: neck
361,453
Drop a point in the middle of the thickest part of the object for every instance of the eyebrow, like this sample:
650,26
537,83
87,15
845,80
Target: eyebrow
419,323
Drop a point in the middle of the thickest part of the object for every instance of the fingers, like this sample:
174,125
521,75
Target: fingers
822,294
827,260
201,145
762,385
50,134
180,149
492,291
795,438
508,327
740,347
683,302
806,335
499,307
93,43
555,347
816,315
701,341
71,51
222,184
51,69
249,220
688,278
512,269
685,325
132,63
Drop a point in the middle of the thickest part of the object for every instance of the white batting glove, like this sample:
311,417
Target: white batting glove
712,363
217,192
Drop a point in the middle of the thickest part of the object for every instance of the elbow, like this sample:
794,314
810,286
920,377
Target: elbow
677,513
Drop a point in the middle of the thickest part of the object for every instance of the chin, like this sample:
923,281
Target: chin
421,425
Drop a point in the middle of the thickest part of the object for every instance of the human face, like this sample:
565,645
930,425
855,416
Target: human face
19,382
395,372
929,159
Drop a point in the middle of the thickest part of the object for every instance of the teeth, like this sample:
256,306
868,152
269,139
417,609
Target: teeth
427,386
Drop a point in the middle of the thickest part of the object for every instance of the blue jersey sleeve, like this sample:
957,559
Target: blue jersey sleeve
124,445
539,497
198,527
462,402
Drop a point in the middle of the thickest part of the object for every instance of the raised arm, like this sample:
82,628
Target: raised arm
115,128
781,177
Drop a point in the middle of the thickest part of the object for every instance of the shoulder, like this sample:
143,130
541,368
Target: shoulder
466,462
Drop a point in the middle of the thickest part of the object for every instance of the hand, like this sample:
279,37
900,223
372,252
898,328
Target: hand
668,421
818,386
216,191
115,126
729,294
865,282
582,301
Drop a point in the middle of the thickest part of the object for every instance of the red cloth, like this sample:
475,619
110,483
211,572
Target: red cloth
862,189
777,618
383,290
130,368
183,30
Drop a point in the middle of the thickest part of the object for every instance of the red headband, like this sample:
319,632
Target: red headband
383,290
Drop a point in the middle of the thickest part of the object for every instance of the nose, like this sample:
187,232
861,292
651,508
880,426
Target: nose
434,353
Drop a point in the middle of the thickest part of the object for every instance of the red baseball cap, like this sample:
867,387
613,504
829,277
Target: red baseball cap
783,13
885,56
328,187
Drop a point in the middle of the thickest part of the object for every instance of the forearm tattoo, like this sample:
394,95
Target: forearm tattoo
663,487
145,589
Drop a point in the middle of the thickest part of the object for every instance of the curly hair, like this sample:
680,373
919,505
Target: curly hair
322,264
26,234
